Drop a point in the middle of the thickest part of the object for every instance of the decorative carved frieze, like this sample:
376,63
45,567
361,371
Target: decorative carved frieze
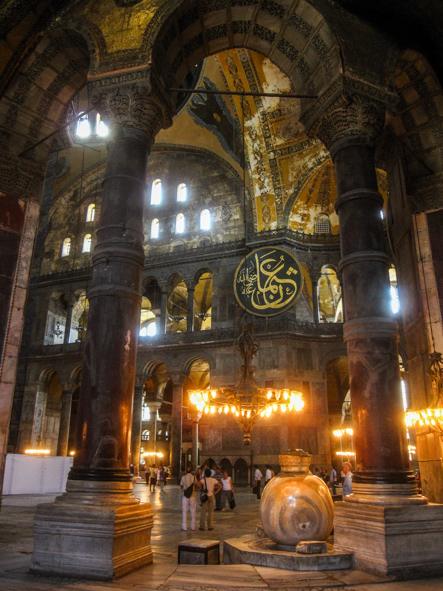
21,177
135,99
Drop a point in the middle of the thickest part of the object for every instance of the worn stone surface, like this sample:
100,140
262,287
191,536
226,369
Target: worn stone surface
311,548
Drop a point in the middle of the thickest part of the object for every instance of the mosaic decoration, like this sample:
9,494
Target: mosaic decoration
268,281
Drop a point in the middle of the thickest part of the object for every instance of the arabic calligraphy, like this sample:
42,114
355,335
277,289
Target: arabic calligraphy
268,281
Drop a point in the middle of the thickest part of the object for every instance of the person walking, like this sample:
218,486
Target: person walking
347,484
333,479
227,492
152,478
210,487
187,484
268,474
257,481
161,479
218,497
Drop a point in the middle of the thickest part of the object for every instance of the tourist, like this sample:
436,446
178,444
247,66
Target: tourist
152,478
187,484
347,484
332,479
227,493
210,487
218,498
257,481
268,474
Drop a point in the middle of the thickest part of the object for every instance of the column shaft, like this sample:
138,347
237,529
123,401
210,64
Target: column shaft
190,313
315,300
370,331
176,429
163,306
195,444
105,408
137,428
65,418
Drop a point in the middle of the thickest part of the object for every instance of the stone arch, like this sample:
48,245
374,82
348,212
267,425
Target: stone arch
241,472
419,122
226,464
189,361
40,92
296,38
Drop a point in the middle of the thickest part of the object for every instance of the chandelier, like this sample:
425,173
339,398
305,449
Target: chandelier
246,402
431,417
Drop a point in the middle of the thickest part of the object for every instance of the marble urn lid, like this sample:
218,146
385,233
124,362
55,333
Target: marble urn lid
295,460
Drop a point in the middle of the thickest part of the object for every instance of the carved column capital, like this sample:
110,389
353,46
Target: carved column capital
134,99
348,109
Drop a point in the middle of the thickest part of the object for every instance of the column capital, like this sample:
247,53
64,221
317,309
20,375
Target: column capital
349,111
135,99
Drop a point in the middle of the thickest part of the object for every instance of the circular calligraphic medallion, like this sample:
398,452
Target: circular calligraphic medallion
268,281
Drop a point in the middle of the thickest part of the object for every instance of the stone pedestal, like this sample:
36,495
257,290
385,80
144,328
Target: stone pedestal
92,534
405,541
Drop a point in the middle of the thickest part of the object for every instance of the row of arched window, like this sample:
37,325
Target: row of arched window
86,246
156,192
180,223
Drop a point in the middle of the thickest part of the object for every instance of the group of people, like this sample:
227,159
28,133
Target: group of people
157,475
215,488
258,477
332,480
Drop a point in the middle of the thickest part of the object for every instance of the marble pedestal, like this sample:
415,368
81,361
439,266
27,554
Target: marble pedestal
97,538
405,541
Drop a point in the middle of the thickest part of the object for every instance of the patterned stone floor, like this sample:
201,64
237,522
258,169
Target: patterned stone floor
16,543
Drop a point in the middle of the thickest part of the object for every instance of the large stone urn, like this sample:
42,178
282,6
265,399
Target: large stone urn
296,506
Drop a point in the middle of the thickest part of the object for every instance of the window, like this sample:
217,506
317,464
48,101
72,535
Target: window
155,227
101,129
322,224
181,192
205,220
151,329
156,192
66,248
83,126
145,435
90,213
180,223
87,243
146,413
395,301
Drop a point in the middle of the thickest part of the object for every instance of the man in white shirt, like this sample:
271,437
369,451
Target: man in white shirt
209,484
188,502
257,481
268,474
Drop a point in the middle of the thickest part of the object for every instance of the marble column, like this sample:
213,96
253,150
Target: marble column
176,426
163,307
190,313
315,299
68,323
137,428
39,415
65,418
195,417
385,499
103,531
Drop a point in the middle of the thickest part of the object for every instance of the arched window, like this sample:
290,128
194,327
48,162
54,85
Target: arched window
395,301
101,129
180,223
151,329
323,224
90,213
145,435
83,127
205,220
87,243
155,228
181,192
66,248
156,192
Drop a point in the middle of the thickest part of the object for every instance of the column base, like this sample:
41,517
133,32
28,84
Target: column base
101,536
386,494
405,540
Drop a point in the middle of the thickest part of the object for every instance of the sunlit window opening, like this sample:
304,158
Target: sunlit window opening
156,192
145,435
87,243
205,220
83,127
66,248
146,413
155,228
395,301
181,192
180,223
101,129
382,214
90,213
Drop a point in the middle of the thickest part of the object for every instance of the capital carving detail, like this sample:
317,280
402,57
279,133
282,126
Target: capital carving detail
353,115
132,100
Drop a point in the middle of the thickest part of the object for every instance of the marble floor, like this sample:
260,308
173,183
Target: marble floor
16,542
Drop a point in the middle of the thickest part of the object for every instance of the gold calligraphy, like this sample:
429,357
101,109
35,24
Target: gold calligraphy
267,281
